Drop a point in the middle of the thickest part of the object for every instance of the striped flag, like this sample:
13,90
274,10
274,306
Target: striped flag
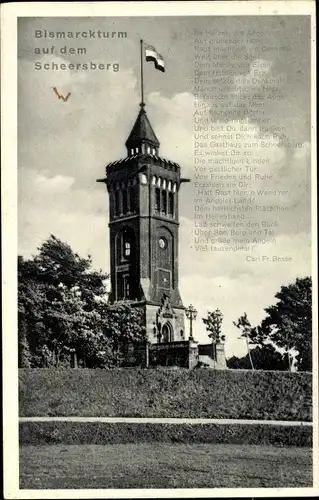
151,54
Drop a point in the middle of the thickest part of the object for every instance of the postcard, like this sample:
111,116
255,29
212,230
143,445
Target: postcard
159,249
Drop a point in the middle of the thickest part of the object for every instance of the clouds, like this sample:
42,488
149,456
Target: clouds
52,205
59,183
174,126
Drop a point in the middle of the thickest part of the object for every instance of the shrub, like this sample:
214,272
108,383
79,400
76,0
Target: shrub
200,393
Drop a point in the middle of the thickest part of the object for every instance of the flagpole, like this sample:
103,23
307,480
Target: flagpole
142,76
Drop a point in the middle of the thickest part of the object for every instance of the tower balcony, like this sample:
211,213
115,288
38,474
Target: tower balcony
140,159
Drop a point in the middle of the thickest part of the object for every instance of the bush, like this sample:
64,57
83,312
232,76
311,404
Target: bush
163,393
41,433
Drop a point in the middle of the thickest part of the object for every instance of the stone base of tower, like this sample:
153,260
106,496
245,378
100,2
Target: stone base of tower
164,324
165,329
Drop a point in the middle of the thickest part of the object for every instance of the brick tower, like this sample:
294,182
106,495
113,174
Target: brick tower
143,193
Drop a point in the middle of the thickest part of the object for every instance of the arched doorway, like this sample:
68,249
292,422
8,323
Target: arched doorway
167,333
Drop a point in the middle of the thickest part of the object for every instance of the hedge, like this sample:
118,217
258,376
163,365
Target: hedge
41,433
202,393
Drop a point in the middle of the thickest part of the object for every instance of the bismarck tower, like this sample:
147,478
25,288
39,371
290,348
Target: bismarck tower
144,231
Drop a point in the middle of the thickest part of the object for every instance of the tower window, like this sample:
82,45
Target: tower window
171,204
125,246
132,151
116,202
127,249
126,286
133,201
164,202
136,150
143,179
157,200
153,151
148,150
125,206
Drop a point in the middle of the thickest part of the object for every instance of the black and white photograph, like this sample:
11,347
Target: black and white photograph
162,334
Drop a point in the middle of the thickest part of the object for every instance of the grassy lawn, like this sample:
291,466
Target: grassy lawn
159,465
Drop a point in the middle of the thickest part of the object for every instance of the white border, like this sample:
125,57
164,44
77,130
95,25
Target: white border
9,14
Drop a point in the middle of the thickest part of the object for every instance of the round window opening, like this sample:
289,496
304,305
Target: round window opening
162,243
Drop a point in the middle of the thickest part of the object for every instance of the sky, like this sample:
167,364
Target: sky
63,147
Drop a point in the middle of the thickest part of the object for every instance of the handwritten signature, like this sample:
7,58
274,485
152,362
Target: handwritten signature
60,96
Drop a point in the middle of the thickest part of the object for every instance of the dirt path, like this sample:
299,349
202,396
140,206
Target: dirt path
137,420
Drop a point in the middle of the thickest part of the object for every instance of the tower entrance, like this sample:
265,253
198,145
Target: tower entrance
167,333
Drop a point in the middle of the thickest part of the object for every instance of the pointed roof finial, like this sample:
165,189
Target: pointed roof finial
142,131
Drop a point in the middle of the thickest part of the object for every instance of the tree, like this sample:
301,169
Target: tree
23,346
244,325
69,325
287,325
213,324
57,263
63,312
264,357
31,305
124,327
290,320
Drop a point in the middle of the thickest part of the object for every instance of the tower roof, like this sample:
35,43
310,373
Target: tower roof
142,131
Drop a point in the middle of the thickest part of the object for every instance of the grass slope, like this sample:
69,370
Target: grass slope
42,433
164,466
166,393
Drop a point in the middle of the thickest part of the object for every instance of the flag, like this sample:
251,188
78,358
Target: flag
152,55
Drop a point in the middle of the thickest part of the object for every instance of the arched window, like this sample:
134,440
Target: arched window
171,204
157,200
126,246
164,202
166,333
125,242
127,249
